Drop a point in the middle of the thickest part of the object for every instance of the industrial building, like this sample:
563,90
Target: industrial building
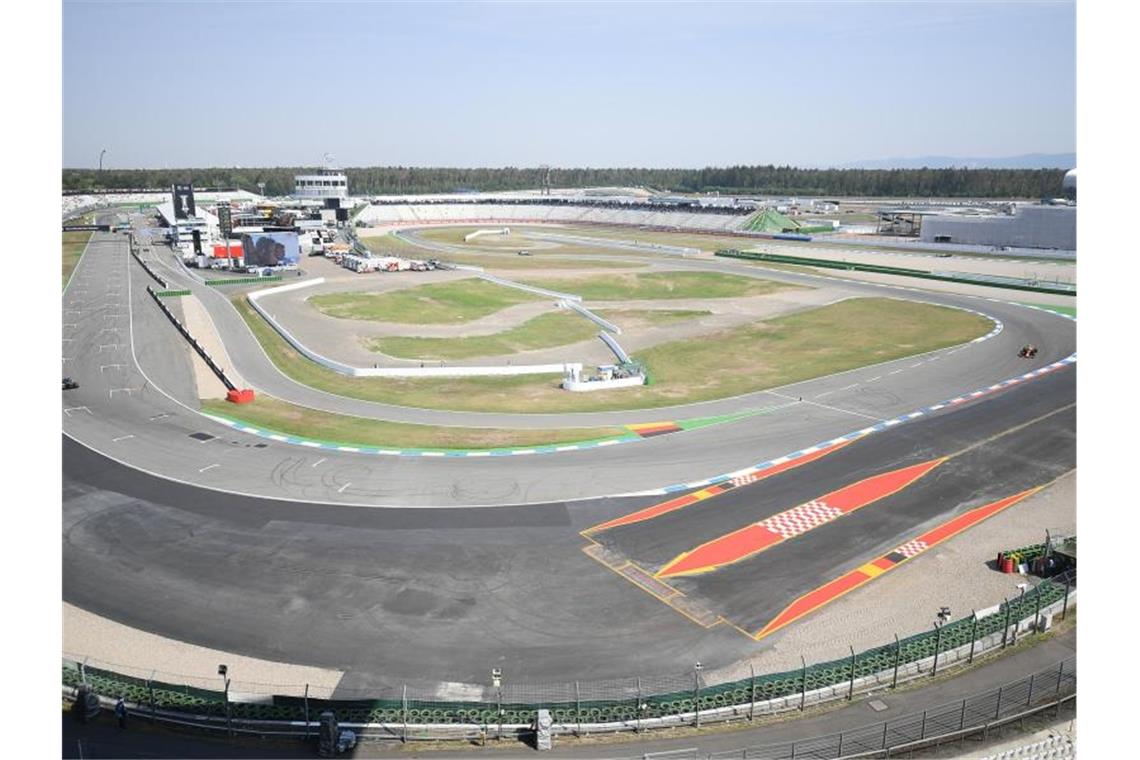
1029,226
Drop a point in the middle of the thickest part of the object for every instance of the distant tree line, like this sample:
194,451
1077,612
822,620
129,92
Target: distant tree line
761,180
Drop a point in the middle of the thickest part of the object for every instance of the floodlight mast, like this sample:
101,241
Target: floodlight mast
101,159
545,179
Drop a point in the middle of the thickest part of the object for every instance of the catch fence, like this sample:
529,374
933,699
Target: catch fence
410,711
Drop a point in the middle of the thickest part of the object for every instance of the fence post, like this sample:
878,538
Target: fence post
306,711
1065,604
839,749
803,683
850,686
1016,623
404,713
898,654
1005,630
154,714
637,707
962,719
1029,696
884,734
578,707
697,696
997,712
499,704
752,703
1060,672
937,647
83,671
922,733
1037,610
973,635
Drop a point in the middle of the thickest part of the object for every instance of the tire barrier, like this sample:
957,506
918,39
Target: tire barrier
246,395
605,706
903,271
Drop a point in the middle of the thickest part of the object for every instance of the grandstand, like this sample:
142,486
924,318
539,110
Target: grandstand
562,211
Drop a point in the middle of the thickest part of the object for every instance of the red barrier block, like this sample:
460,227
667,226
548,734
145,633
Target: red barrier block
244,396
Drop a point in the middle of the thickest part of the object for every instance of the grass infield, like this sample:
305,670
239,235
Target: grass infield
439,303
544,331
796,347
662,285
301,421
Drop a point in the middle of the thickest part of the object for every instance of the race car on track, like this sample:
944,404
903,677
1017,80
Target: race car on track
69,384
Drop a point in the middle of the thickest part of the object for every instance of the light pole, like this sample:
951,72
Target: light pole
223,671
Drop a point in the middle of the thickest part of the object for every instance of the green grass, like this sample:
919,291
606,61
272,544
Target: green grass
544,331
779,351
662,285
73,245
289,419
439,303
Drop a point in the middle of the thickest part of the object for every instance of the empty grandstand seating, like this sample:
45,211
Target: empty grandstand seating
1056,747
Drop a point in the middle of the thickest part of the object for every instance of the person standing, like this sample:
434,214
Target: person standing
121,713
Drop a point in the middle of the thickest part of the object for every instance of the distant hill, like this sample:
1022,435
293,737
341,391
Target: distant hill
1026,161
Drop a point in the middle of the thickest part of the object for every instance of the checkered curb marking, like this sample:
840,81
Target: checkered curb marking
801,519
912,548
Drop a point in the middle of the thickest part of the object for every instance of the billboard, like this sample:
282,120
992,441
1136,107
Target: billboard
270,249
225,220
183,201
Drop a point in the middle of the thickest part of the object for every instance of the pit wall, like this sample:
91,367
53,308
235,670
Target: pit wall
350,371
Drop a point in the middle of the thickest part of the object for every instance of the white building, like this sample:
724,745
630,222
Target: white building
329,183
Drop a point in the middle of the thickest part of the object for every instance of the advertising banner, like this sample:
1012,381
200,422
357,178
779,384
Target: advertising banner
271,249
183,201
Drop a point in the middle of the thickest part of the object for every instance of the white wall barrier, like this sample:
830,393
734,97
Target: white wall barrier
346,369
481,233
619,352
604,324
530,288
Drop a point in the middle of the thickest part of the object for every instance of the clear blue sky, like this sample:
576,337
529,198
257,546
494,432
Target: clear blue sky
573,84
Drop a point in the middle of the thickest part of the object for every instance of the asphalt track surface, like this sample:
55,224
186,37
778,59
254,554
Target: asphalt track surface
264,548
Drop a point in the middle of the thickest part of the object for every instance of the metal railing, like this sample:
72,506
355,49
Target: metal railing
416,711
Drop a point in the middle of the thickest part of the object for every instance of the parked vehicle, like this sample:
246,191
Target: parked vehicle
69,384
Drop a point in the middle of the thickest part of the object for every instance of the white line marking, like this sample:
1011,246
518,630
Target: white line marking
319,461
341,489
121,438
209,467
71,409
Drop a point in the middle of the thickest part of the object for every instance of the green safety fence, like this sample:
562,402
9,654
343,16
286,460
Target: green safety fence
850,266
171,293
619,701
243,280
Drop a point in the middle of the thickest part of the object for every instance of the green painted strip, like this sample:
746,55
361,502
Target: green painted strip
242,280
1068,311
171,293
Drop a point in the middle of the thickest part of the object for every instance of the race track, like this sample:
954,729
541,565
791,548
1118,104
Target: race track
185,527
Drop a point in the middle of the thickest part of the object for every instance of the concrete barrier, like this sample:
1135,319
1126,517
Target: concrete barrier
578,307
530,288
